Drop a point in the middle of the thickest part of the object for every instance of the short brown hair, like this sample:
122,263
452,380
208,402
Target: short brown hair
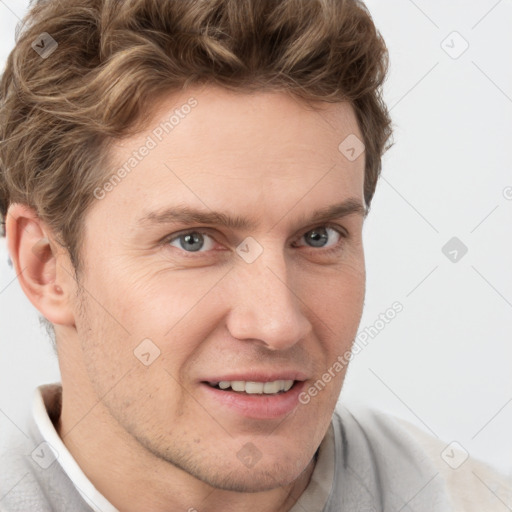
58,114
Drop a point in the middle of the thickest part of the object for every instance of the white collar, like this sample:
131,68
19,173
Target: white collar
47,398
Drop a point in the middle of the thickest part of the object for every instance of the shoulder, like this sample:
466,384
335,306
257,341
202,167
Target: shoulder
31,478
405,451
474,485
19,484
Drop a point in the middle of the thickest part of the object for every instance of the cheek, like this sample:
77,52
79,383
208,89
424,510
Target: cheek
337,296
336,304
152,298
167,314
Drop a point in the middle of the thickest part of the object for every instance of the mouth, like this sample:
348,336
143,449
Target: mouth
275,387
255,399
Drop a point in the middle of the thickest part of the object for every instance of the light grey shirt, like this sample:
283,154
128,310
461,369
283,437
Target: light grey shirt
368,462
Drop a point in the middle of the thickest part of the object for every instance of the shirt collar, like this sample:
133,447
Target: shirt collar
46,407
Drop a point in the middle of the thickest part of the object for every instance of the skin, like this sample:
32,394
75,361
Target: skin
148,437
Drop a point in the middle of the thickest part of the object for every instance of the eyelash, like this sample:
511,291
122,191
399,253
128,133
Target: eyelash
341,231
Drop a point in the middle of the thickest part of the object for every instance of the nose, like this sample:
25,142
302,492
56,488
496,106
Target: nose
264,307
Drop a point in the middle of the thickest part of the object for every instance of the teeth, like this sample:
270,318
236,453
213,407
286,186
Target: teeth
257,388
272,387
254,388
238,385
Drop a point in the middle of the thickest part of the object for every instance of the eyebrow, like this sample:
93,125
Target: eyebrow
188,216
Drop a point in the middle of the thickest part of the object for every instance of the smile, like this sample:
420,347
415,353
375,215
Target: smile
252,399
254,388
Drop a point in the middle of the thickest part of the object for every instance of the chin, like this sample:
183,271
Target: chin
231,475
253,480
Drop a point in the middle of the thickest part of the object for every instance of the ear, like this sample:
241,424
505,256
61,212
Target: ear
38,261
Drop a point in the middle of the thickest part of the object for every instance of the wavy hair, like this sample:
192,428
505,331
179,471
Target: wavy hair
114,57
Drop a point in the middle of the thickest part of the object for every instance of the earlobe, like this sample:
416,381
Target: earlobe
35,259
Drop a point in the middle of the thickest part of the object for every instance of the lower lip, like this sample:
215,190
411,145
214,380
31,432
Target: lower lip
257,406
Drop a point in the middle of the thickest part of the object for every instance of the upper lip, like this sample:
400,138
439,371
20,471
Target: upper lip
259,376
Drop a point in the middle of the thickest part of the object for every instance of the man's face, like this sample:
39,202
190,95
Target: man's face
214,306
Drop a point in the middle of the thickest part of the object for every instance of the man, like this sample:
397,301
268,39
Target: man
184,186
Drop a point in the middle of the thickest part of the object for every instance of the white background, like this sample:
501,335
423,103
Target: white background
445,362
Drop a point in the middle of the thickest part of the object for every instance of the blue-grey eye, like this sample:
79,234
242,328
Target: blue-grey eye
192,241
319,237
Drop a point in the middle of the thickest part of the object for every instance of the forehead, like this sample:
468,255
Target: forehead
212,149
246,125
